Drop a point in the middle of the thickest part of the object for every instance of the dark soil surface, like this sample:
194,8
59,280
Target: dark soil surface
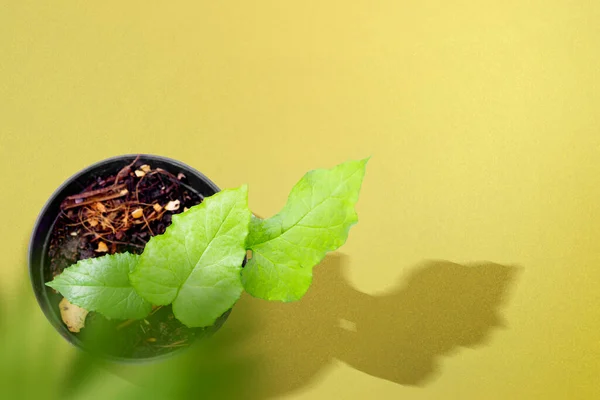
119,213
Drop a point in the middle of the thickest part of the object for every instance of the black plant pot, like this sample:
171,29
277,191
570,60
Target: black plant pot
39,268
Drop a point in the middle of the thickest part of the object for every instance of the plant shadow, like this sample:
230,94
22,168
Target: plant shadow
268,349
399,335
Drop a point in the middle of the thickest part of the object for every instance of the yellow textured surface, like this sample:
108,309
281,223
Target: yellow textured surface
482,120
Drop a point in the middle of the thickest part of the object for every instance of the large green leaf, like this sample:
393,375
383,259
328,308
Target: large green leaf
196,263
102,284
315,220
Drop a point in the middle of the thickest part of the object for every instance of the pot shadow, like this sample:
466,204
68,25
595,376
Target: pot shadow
399,335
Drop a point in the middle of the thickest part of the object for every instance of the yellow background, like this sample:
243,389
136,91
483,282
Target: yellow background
481,118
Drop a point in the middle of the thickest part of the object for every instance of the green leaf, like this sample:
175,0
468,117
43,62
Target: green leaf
315,220
196,263
102,284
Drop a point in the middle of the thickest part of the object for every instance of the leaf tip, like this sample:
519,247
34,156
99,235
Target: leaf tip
243,188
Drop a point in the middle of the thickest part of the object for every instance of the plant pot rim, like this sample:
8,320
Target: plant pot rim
42,231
